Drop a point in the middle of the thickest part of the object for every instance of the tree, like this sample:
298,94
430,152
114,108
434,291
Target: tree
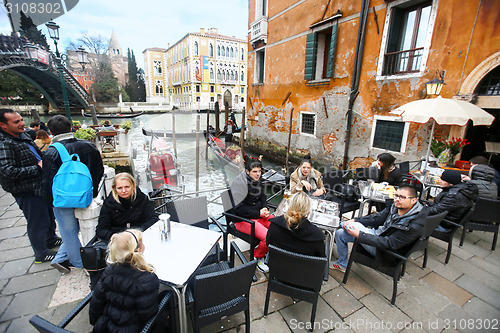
105,87
29,30
135,87
16,90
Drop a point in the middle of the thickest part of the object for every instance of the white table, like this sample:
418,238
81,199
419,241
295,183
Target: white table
177,257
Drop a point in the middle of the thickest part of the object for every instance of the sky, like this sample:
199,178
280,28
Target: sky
141,24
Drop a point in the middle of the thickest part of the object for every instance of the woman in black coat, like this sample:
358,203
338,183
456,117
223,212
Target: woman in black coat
294,232
126,208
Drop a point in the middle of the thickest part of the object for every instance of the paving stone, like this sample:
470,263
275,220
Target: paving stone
342,301
29,302
11,214
14,254
31,281
456,318
446,288
35,268
383,310
4,303
486,278
21,325
479,289
227,323
258,299
326,286
378,281
21,222
416,270
298,317
477,249
485,265
272,323
364,321
494,258
14,243
357,286
80,323
478,308
433,301
421,315
3,283
7,201
15,268
439,267
4,326
12,232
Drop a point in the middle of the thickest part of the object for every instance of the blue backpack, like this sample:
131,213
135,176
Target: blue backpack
72,186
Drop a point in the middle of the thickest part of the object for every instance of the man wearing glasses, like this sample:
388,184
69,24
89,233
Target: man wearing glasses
393,228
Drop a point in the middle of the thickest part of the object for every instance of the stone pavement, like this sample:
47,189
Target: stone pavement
463,296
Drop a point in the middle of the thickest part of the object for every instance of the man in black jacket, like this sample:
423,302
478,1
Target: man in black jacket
60,127
456,198
394,228
20,170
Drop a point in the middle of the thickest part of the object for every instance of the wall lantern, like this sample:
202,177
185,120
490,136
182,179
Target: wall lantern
82,57
434,86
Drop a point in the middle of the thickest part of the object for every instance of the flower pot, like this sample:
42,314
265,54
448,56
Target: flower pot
442,164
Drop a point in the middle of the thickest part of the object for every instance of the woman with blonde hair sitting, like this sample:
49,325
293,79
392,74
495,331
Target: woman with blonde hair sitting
294,232
127,207
126,296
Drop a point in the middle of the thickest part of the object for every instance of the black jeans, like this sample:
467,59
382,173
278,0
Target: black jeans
41,222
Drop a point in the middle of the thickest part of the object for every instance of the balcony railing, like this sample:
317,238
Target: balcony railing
259,30
402,62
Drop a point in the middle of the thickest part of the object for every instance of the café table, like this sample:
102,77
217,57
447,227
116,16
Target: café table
374,192
178,256
324,214
430,183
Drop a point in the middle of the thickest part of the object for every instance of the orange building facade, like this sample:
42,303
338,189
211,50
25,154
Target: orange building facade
335,70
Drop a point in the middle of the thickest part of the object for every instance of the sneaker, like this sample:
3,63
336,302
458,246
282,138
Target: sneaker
56,242
48,257
337,266
62,267
261,265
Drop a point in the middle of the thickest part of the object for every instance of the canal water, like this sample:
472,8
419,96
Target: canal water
212,173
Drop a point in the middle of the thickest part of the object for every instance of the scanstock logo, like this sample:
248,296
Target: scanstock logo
40,11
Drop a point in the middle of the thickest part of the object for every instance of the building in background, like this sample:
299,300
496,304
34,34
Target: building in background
344,81
197,71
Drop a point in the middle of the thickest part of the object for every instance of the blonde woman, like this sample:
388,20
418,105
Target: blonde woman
127,207
294,232
126,296
42,140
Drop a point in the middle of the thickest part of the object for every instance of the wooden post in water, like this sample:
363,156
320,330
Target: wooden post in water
242,133
35,115
94,116
174,141
288,146
197,154
207,134
217,125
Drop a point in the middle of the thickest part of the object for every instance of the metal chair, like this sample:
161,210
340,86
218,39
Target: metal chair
44,326
485,217
295,275
221,289
390,262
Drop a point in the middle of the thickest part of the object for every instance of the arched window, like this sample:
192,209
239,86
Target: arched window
242,54
218,50
242,76
211,50
219,75
227,51
223,52
211,73
195,48
232,53
158,87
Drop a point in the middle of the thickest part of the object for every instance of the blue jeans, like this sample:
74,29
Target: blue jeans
342,238
68,228
41,226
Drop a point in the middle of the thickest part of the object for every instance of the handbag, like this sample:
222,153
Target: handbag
94,255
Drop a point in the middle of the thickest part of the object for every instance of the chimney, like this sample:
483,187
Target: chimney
202,30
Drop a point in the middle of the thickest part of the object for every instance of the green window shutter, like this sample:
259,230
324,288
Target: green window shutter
311,51
331,53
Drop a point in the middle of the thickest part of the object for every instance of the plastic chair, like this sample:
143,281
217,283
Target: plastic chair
485,217
345,195
221,289
228,205
45,326
448,236
390,262
295,275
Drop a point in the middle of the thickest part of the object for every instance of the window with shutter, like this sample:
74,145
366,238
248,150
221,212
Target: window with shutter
320,53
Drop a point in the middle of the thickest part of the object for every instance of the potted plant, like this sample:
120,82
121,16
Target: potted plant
126,126
85,133
76,124
455,146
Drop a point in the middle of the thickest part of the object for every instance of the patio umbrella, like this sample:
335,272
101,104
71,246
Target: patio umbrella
444,111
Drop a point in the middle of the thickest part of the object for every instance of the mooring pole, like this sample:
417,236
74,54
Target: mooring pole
197,154
289,141
174,141
207,134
